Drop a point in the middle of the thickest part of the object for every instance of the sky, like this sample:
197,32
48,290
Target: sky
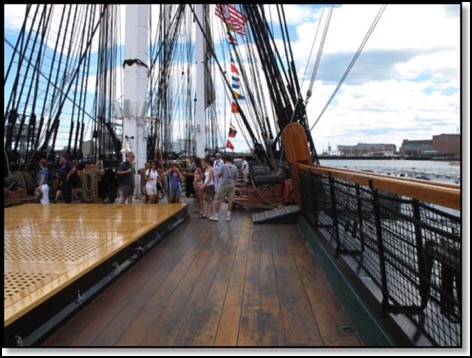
406,83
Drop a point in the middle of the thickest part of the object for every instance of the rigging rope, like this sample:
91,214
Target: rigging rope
351,64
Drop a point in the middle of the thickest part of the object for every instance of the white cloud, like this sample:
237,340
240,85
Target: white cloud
14,16
405,84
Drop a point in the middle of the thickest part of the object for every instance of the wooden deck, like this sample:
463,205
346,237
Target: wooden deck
46,248
223,284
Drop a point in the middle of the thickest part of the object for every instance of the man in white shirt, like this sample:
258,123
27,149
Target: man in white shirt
217,166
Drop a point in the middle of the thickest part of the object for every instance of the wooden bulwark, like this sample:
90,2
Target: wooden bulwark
444,194
47,247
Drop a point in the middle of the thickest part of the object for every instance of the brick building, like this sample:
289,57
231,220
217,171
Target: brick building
440,145
448,144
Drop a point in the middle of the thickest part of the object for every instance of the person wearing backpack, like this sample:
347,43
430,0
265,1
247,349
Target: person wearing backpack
125,173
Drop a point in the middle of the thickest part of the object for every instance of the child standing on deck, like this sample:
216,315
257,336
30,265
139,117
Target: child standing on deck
174,183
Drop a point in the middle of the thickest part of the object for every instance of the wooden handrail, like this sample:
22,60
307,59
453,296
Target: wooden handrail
443,194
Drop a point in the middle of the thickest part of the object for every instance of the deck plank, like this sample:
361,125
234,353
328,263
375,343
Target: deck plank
221,284
272,332
200,330
299,320
333,315
249,328
205,333
228,327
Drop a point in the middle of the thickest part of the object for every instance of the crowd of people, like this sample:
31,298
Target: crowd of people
210,181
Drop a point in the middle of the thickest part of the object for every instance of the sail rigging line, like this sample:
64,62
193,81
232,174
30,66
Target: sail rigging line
270,57
33,57
90,13
292,80
241,112
105,87
256,107
69,54
282,86
282,81
84,53
37,74
13,112
232,48
253,93
320,51
47,78
353,61
311,53
160,97
18,40
23,85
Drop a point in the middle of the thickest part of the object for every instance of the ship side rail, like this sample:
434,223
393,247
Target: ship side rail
402,240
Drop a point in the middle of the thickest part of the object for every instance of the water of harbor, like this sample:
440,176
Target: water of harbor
432,169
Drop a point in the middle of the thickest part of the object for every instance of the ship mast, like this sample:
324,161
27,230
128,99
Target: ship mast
200,84
135,82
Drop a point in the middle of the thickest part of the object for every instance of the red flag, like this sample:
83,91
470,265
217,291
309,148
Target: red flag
234,107
229,145
234,69
230,15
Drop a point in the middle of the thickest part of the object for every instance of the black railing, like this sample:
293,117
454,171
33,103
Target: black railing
409,248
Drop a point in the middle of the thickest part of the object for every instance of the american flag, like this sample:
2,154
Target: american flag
231,16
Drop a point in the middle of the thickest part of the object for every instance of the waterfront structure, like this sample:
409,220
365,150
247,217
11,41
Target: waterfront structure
442,144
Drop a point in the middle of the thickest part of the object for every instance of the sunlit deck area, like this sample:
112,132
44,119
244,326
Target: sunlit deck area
207,284
57,256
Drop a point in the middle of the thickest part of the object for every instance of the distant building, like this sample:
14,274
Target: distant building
379,149
447,144
416,147
440,145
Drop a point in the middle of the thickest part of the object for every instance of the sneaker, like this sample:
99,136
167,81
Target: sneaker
213,218
228,218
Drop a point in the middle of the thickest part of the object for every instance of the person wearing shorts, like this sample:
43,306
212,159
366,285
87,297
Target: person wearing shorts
228,175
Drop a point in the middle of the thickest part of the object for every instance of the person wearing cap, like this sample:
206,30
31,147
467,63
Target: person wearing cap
217,167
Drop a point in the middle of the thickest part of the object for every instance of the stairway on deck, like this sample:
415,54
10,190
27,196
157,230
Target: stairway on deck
287,214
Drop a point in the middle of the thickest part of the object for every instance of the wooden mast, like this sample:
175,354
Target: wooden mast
200,62
135,83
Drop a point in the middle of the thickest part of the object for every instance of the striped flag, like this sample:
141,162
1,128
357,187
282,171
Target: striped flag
235,82
231,16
